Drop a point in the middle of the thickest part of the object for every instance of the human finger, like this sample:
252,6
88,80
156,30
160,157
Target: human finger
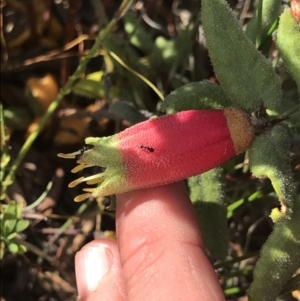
161,247
99,272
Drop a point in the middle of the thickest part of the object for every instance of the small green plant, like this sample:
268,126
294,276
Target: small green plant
11,225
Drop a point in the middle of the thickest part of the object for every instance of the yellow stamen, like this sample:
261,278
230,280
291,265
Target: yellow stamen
82,197
82,161
78,168
94,180
81,167
69,156
76,182
91,180
91,190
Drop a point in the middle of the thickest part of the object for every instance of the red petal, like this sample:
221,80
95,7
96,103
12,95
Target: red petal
175,147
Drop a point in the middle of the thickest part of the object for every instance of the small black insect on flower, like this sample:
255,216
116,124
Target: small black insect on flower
147,148
85,148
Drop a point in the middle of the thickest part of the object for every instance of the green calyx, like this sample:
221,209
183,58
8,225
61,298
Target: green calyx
104,153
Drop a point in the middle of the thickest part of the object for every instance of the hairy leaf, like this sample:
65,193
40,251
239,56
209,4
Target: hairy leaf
195,96
207,195
244,73
288,43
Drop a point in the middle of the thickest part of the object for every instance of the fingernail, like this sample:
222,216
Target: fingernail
91,265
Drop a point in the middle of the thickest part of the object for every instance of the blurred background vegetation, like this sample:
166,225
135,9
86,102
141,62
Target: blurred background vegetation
154,48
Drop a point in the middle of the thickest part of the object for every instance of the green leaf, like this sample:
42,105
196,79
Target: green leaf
10,211
9,226
13,247
11,236
33,102
257,30
17,117
5,159
279,259
19,210
21,225
127,64
198,96
13,212
288,43
89,88
269,156
21,249
166,54
128,111
244,73
207,195
139,36
163,53
95,76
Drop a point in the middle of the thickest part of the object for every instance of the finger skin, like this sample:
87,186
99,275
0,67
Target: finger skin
161,247
88,266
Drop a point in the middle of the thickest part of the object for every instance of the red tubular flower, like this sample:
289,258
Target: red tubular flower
163,150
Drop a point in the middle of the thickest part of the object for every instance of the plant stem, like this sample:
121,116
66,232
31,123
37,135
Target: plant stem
259,23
